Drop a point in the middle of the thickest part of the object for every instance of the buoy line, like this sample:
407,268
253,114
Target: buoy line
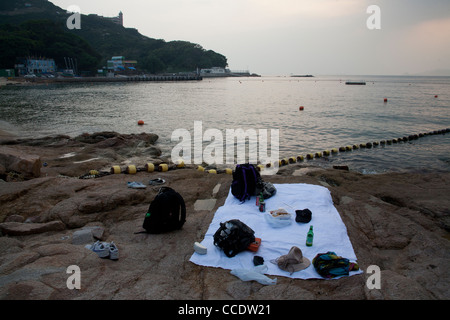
164,167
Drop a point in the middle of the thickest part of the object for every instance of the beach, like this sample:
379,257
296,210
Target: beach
396,221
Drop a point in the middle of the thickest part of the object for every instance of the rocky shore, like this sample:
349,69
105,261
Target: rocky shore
399,222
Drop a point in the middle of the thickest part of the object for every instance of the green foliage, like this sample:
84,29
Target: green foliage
96,42
152,64
153,55
44,38
178,56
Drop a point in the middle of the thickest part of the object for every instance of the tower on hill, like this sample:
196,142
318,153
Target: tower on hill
118,19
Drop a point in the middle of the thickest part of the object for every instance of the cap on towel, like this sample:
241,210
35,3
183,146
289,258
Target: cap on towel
293,261
303,215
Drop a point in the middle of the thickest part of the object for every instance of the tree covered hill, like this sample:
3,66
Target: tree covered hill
102,40
44,38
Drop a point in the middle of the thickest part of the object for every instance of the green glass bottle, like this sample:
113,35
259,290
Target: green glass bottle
309,237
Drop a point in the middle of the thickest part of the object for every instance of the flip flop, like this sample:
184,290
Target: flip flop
136,185
156,182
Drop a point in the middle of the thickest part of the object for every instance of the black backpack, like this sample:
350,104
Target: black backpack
166,212
233,237
245,181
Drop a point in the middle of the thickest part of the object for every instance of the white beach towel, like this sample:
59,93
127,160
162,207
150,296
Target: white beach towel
330,233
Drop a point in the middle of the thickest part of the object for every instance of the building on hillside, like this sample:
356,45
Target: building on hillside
118,64
214,72
7,73
118,19
33,65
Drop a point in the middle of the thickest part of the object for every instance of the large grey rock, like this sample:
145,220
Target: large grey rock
24,229
18,161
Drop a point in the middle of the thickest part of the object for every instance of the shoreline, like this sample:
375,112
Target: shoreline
316,159
397,221
7,82
152,78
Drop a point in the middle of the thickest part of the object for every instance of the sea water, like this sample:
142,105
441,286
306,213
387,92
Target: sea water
334,114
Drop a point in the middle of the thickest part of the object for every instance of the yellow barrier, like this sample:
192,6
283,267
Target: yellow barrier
150,167
179,164
116,170
131,169
163,167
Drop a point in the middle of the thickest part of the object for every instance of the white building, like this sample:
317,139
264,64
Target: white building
214,72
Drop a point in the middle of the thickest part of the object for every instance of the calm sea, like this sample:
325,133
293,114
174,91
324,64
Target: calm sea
334,115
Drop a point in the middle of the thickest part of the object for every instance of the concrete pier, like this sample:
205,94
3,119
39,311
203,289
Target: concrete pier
155,78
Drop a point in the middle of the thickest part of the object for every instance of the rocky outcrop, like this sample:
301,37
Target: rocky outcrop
12,160
24,229
398,222
73,157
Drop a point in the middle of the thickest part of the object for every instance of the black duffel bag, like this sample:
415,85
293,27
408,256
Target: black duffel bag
233,237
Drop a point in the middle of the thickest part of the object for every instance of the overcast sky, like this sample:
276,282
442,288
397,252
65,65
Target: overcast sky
283,37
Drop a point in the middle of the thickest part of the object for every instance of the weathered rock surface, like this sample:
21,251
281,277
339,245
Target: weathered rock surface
12,160
24,229
399,222
73,156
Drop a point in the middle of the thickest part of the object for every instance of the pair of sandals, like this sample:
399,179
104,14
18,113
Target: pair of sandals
138,185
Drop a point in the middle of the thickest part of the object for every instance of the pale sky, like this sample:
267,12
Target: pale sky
283,37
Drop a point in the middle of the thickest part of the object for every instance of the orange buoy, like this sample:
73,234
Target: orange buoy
436,96
385,99
140,122
301,108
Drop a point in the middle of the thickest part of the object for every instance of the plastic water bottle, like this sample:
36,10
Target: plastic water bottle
310,237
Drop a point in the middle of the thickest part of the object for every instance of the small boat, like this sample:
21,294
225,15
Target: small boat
359,83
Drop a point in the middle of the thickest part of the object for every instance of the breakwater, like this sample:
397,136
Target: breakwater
191,77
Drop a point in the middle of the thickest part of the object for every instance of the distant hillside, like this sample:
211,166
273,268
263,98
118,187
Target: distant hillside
45,38
110,39
435,73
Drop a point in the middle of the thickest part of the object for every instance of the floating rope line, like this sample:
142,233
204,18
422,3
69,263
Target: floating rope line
164,167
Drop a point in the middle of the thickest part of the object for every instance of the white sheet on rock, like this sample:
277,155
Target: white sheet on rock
330,233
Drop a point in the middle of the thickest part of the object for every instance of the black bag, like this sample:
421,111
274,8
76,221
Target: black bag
330,265
233,237
266,188
166,212
245,181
